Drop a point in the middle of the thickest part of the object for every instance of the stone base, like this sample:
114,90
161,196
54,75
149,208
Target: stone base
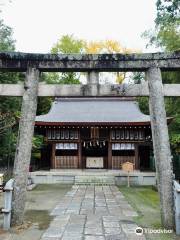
31,187
97,177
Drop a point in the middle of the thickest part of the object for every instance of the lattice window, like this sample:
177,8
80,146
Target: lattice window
126,134
113,134
62,134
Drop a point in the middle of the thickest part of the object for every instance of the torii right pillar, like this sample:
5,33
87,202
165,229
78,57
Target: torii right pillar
161,146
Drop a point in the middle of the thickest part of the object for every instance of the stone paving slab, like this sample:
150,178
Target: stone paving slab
92,213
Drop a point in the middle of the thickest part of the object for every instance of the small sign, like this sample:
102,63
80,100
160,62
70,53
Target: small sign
128,167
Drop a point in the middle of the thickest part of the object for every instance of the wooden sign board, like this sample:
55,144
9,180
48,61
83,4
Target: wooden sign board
128,167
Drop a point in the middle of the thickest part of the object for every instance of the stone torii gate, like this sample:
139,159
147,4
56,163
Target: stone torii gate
33,64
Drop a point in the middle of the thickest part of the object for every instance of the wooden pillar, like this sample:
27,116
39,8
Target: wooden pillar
80,156
109,151
79,151
53,156
161,146
137,165
24,144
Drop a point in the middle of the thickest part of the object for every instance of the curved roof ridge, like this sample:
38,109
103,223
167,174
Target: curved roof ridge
94,110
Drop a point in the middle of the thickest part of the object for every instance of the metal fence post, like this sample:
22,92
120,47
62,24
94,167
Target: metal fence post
7,204
177,206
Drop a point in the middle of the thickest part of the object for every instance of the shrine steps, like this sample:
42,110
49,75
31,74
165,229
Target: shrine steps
94,180
92,176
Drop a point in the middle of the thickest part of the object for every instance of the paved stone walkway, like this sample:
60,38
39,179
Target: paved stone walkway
92,213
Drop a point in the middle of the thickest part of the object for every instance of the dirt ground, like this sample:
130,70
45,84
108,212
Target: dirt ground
40,202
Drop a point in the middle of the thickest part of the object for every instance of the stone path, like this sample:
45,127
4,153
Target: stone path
92,213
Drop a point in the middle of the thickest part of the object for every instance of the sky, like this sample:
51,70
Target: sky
38,24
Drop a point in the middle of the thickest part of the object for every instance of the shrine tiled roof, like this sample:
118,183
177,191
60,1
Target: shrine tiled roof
94,110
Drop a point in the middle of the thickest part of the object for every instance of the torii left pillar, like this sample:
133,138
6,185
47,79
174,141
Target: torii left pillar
24,145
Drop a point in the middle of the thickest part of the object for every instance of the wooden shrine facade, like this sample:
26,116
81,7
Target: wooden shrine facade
73,147
96,145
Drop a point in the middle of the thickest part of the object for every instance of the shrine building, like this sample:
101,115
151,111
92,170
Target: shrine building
95,133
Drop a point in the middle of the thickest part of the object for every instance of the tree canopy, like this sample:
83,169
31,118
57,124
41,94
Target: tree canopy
168,11
166,35
70,44
9,106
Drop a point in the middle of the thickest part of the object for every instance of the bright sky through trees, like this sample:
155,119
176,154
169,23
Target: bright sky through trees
37,24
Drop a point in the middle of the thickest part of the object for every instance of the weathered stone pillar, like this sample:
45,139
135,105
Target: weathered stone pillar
93,83
24,144
161,146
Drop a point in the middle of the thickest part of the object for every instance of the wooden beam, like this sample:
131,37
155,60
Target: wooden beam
16,61
58,90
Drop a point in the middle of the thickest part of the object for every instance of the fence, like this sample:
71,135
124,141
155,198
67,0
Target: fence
7,204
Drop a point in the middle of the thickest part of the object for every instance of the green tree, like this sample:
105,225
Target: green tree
168,11
67,44
9,106
6,41
167,32
167,37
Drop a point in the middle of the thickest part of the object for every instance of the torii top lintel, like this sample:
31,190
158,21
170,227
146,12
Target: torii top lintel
17,61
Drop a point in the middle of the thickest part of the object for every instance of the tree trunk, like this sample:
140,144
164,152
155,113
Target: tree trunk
24,144
161,146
